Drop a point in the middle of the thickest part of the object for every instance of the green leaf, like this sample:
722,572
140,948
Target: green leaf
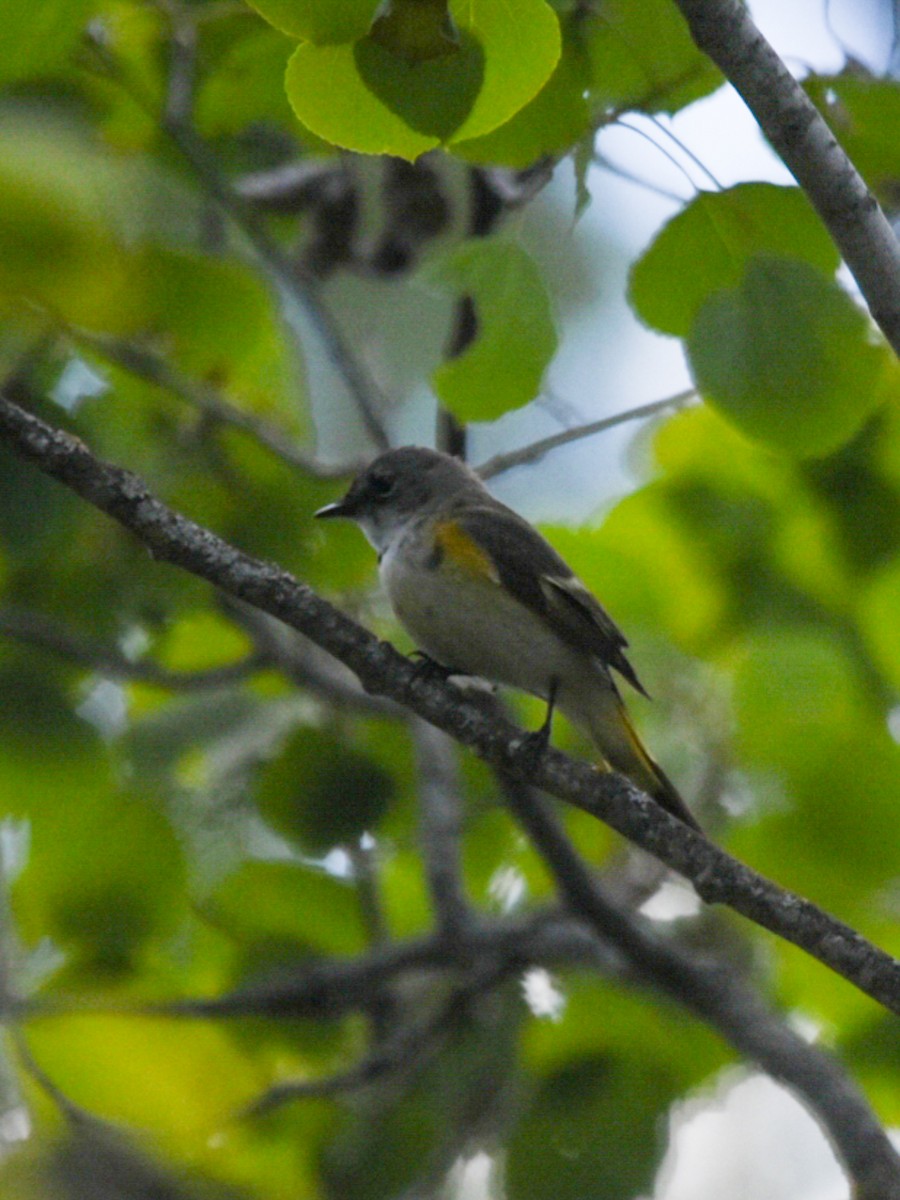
59,245
320,21
592,1129
322,792
787,357
289,905
516,338
804,717
865,115
708,245
245,85
35,38
642,56
878,609
547,126
373,98
220,321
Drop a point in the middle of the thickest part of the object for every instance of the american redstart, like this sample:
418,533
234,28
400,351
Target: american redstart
484,594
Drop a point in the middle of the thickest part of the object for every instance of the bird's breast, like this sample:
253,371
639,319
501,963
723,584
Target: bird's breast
465,619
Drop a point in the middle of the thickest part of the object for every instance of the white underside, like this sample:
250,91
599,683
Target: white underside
473,625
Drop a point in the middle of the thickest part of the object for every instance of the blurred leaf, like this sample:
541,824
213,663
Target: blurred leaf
596,1115
592,1128
879,605
218,321
246,85
321,792
61,205
199,640
711,241
318,22
274,906
515,340
36,38
102,906
803,714
370,97
787,356
145,1072
642,56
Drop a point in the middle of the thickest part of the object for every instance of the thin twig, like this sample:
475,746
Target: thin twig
600,160
724,30
35,629
718,877
206,399
300,286
536,450
295,283
408,1049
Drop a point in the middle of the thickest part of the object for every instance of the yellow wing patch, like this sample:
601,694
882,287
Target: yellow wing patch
463,551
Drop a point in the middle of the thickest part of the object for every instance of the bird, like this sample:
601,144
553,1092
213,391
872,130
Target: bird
483,593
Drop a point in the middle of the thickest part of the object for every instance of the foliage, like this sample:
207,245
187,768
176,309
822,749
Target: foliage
195,805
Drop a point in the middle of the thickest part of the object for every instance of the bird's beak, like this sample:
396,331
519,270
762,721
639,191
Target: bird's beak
337,509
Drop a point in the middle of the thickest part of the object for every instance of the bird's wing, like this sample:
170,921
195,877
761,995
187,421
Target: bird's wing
529,567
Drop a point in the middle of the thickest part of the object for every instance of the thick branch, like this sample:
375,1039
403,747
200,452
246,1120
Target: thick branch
717,876
721,999
724,30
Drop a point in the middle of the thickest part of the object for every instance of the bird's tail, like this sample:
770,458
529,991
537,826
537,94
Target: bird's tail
616,738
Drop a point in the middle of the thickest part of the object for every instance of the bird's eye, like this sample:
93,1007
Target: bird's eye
381,486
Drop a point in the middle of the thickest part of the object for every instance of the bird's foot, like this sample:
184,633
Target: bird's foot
428,668
533,744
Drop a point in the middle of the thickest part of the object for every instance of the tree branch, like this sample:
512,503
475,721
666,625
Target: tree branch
206,399
720,998
725,31
717,876
34,629
440,824
301,287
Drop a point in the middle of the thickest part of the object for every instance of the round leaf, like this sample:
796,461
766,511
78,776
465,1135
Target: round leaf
319,21
786,357
379,97
709,243
35,38
503,368
643,56
322,792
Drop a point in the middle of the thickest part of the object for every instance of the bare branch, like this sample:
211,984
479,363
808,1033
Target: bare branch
206,399
725,31
717,876
535,450
293,281
440,825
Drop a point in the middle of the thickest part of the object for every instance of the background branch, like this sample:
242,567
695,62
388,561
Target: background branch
718,996
536,450
34,629
717,876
